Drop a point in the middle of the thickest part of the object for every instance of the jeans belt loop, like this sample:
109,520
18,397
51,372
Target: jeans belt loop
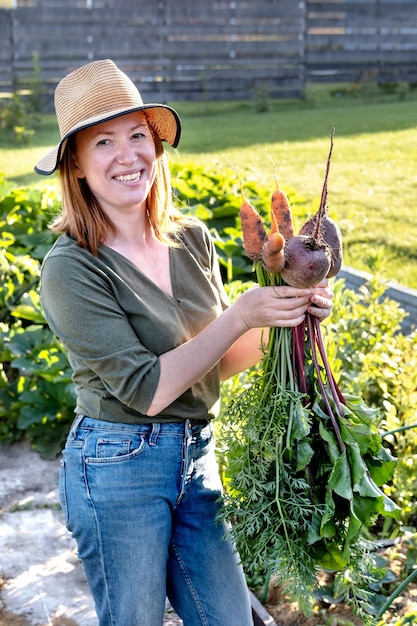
153,437
77,421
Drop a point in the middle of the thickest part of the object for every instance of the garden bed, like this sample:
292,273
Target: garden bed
280,611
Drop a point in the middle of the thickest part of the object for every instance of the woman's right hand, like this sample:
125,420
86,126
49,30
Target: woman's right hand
283,306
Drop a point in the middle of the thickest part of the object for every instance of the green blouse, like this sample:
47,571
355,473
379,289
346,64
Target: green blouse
114,323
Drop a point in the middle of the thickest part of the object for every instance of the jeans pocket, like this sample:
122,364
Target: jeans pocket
111,447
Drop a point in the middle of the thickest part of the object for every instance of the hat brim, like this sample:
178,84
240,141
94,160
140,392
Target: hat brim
164,119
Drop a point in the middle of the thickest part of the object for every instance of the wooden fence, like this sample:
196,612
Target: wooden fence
204,49
350,41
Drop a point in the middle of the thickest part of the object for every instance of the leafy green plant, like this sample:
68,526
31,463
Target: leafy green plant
261,98
306,467
42,376
36,392
378,361
214,195
20,116
372,357
369,353
364,329
13,120
36,91
410,617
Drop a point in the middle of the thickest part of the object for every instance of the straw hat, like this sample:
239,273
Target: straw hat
98,92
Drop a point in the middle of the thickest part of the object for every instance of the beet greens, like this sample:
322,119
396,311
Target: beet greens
306,467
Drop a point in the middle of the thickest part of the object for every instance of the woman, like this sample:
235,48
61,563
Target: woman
133,290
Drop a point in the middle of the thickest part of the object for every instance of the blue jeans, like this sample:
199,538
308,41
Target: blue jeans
141,502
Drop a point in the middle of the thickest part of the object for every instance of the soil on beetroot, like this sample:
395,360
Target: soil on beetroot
286,613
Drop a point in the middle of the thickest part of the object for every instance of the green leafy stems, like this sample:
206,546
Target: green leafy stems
306,466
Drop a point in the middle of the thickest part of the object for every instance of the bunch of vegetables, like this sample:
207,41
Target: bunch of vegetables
306,463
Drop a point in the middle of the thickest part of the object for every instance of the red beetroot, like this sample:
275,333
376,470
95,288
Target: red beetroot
307,261
322,228
332,236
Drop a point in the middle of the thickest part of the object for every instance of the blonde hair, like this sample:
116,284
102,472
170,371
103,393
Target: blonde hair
82,217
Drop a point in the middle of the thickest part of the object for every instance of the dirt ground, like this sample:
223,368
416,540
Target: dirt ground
286,613
41,581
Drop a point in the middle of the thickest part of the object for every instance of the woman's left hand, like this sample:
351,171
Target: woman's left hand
321,300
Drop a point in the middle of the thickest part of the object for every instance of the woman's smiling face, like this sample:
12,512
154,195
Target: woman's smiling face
118,161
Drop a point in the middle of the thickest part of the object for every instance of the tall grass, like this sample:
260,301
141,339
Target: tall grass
373,175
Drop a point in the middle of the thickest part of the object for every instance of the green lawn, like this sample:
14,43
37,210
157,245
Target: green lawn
373,175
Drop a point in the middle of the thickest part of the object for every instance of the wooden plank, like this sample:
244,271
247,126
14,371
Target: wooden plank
5,33
405,297
186,46
257,10
261,617
221,55
6,51
227,95
343,75
221,85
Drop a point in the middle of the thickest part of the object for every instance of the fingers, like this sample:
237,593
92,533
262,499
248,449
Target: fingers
284,306
321,306
291,292
318,301
273,306
319,312
323,289
321,300
290,322
291,305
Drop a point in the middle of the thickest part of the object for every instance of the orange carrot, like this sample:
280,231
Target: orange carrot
253,231
273,253
281,216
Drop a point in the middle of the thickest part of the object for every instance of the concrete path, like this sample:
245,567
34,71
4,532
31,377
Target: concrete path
41,579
